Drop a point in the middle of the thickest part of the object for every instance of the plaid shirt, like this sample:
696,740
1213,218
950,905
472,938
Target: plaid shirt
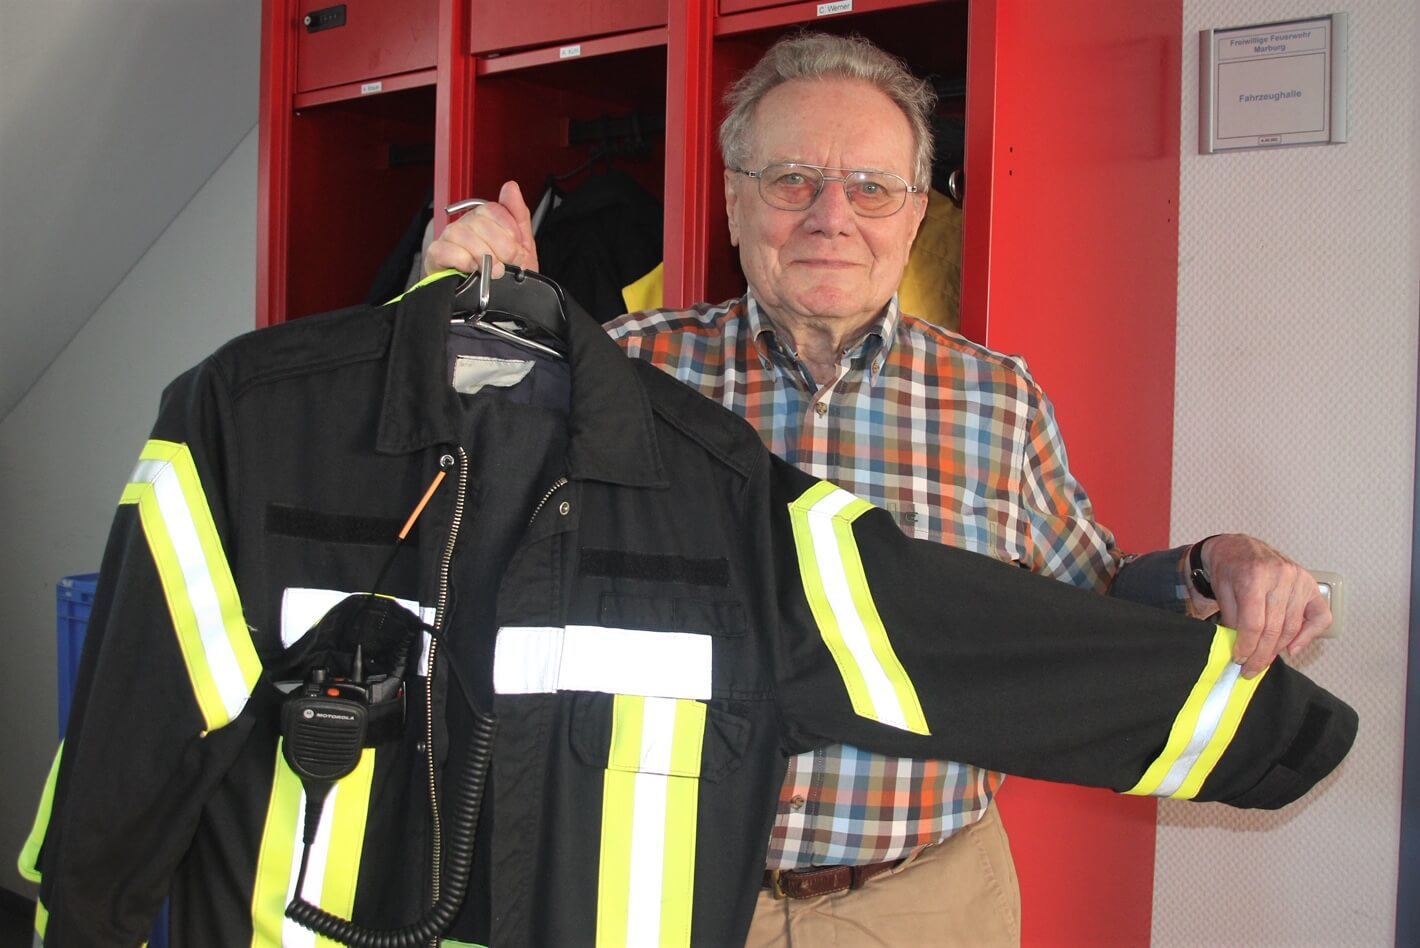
961,445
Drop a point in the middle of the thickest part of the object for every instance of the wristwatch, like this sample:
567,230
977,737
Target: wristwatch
1196,573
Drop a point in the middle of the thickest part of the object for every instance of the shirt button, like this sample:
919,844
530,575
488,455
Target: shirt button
797,801
820,409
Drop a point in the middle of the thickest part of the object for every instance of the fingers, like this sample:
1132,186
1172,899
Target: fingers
1316,619
1272,602
1268,634
1241,609
454,249
502,230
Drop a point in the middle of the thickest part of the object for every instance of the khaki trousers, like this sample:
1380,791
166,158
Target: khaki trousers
962,892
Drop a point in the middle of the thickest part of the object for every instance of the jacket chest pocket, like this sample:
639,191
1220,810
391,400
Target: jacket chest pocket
717,619
671,737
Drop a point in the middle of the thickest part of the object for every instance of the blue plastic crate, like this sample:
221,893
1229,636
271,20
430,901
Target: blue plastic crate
75,600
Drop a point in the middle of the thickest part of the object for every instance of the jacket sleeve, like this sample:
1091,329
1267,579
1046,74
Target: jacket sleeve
910,648
167,669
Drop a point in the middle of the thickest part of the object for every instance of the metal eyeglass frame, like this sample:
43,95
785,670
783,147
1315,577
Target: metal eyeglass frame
822,181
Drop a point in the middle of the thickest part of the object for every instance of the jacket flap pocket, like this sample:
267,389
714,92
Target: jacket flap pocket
674,736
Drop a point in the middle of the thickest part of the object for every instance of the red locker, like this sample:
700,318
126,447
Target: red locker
504,26
363,40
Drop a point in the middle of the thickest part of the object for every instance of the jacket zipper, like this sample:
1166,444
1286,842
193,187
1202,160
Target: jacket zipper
442,603
557,485
444,564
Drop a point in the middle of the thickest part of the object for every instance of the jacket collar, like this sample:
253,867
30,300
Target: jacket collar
611,432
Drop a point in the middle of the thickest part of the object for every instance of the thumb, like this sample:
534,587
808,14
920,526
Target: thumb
511,197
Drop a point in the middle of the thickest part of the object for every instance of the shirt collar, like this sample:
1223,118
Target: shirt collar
875,345
612,435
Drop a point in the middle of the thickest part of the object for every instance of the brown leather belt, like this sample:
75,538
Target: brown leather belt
821,880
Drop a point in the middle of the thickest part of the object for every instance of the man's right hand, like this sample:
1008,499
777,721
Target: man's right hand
503,230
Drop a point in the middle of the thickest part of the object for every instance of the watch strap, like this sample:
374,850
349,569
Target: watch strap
1197,574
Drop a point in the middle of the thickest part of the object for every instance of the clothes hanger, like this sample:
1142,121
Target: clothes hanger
522,307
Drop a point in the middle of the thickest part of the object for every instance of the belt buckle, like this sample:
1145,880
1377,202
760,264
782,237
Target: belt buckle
776,884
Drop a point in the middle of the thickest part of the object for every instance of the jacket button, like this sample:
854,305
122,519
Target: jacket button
564,508
447,461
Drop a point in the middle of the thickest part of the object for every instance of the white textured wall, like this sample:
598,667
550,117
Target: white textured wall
68,446
1299,272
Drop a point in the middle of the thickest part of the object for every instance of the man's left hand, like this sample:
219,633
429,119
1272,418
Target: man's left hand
1272,602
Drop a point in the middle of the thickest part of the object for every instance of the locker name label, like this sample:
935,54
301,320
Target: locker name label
567,52
840,6
370,87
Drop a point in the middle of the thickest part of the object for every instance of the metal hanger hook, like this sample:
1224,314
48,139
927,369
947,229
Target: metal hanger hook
485,278
467,204
459,207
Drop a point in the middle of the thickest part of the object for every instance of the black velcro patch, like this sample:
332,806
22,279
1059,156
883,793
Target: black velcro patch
1313,727
333,528
660,567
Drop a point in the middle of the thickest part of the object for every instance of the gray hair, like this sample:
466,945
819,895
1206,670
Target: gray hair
813,55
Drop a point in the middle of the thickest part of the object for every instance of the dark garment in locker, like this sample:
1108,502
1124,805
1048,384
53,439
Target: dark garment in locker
603,235
393,276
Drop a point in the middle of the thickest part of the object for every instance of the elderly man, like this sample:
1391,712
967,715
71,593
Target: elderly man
827,155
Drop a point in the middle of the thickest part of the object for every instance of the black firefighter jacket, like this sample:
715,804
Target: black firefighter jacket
656,609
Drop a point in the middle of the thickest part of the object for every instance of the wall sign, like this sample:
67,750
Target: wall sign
1272,84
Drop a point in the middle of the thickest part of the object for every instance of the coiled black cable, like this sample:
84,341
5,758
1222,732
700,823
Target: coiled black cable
468,801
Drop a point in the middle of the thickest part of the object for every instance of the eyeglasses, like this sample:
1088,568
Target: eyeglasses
791,186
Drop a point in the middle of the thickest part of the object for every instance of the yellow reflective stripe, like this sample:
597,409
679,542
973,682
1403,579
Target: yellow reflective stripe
41,923
439,275
335,855
1204,726
614,868
689,739
628,714
197,581
279,839
650,807
836,586
29,853
347,838
678,875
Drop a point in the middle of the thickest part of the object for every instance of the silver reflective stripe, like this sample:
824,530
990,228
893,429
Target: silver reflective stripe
226,672
303,607
546,659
